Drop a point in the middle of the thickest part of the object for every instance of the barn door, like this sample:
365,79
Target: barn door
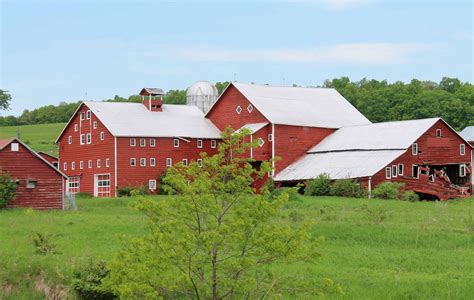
102,185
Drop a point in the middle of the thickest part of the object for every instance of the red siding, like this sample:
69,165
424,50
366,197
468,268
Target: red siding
24,165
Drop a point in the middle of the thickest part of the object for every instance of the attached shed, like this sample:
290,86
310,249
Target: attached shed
40,184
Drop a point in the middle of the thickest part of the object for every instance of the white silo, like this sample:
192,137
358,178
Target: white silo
202,94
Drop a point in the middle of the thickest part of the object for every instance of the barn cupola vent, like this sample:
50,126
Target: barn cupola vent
152,98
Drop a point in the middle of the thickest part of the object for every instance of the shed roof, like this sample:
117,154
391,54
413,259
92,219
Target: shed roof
5,142
253,127
313,107
152,91
125,119
468,133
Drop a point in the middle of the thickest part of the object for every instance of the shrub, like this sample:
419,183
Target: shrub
292,194
388,190
320,186
7,189
410,196
87,281
43,244
128,191
347,188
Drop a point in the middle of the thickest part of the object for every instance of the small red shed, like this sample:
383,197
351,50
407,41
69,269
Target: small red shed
40,184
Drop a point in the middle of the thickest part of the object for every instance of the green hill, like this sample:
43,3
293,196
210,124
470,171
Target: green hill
40,137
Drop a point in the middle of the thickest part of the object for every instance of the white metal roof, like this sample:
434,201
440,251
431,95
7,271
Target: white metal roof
125,119
253,127
339,165
314,107
386,135
468,133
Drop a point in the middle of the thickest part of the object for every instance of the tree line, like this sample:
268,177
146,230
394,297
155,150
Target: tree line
379,101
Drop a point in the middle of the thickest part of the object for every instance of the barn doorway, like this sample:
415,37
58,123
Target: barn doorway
102,185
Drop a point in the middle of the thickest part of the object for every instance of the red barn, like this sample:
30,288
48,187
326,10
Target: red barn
40,185
50,158
108,145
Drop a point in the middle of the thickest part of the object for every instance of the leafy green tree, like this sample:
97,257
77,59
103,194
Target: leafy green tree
7,189
175,97
4,100
221,86
217,239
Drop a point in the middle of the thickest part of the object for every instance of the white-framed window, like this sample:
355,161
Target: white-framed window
76,128
133,162
14,147
176,143
169,162
250,108
83,139
213,143
31,184
133,142
107,162
94,124
439,133
462,170
65,166
270,137
152,142
88,115
74,184
73,165
81,164
142,142
415,171
238,109
69,140
98,163
142,162
199,162
102,136
89,164
152,162
83,116
199,143
462,149
401,169
152,184
394,170
261,142
414,148
89,138
388,173
185,162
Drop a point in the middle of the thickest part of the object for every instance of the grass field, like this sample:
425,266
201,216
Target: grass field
374,249
40,137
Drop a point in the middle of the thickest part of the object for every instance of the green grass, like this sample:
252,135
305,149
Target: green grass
40,137
374,249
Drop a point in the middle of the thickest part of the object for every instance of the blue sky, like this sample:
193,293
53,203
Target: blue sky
54,51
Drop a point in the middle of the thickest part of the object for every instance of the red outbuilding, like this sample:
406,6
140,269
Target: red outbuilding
39,184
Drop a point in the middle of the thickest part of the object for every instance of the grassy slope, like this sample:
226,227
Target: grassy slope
40,137
374,249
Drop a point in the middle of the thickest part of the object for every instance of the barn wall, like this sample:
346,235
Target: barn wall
24,165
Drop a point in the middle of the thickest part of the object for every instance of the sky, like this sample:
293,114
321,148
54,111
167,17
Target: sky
53,51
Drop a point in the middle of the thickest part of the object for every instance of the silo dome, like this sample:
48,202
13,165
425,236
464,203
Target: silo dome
202,94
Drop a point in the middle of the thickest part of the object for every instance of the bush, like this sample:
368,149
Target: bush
388,190
87,281
292,194
347,188
410,196
7,189
128,191
43,244
320,186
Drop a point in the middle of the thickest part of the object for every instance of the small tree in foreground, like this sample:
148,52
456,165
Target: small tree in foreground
7,189
217,238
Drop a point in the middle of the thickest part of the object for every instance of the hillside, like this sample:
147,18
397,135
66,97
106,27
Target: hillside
40,137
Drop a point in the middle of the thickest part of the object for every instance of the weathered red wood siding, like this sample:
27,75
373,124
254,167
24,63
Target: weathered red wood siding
49,158
24,165
76,152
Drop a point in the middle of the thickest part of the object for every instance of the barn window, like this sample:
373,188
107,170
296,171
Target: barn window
142,142
73,184
76,128
55,164
89,164
142,162
176,143
152,184
69,140
15,147
213,144
169,162
98,163
462,170
261,142
414,149
133,162
462,149
89,138
133,142
270,137
73,165
199,162
250,108
238,109
394,171
31,184
95,124
83,139
107,162
388,172
88,114
102,136
152,142
81,165
65,166
199,143
438,133
415,171
401,170
83,116
152,162
185,162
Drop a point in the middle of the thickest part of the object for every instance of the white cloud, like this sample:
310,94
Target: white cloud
368,53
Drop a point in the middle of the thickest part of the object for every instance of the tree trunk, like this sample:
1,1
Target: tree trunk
214,273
